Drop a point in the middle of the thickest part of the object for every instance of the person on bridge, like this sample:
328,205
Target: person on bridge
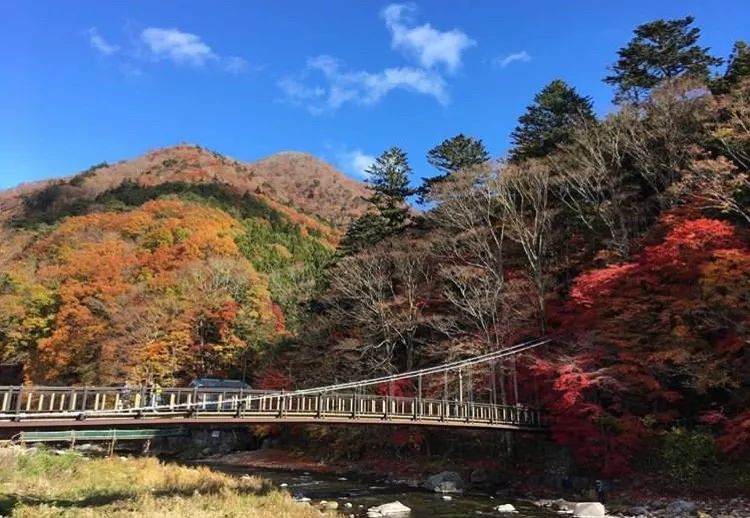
125,393
155,395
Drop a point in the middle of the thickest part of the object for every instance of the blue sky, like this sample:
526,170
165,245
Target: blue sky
90,81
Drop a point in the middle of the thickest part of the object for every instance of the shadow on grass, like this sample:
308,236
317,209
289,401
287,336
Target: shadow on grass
9,502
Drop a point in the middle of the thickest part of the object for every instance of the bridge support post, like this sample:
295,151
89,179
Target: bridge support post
17,417
419,397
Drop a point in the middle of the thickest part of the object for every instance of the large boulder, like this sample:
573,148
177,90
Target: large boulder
389,509
589,510
445,482
505,508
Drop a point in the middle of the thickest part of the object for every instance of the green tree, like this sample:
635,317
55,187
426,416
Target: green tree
738,68
452,155
389,183
363,232
662,49
548,122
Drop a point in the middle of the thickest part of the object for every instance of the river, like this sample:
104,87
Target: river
363,494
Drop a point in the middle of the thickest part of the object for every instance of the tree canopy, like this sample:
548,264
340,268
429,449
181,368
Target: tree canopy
662,49
547,123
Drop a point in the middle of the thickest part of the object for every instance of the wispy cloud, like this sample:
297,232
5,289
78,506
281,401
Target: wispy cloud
516,57
326,84
338,85
235,65
355,162
100,44
430,46
182,48
159,44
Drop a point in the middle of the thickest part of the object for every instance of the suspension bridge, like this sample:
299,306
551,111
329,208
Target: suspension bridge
470,393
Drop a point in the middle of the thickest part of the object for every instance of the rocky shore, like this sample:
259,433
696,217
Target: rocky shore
626,504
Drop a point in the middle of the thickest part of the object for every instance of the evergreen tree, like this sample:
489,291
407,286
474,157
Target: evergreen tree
389,183
549,120
452,155
662,49
738,68
364,232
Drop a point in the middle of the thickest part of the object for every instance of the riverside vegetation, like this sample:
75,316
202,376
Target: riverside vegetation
44,484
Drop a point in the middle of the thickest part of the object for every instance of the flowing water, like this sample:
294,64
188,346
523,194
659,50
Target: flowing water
363,494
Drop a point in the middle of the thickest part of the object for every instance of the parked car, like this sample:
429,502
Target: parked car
219,383
215,387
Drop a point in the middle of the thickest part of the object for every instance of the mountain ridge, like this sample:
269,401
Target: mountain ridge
293,178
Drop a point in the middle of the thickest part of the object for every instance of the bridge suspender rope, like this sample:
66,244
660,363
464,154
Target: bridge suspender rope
484,358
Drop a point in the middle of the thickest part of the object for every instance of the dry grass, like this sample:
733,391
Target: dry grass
42,484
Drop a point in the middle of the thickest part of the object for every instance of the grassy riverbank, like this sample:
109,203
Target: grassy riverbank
42,484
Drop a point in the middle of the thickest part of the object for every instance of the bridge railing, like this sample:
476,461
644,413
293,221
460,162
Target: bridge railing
57,402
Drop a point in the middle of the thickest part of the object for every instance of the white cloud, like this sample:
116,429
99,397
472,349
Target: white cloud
155,44
180,47
235,64
341,86
520,57
326,84
297,91
100,44
355,162
429,45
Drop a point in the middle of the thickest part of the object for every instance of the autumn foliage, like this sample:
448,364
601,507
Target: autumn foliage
657,342
158,293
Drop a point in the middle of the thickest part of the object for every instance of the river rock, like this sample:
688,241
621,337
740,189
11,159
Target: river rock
559,505
505,508
679,507
589,510
328,506
389,509
638,511
445,482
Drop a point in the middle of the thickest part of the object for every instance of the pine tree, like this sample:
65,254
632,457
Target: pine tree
389,183
452,155
738,68
662,49
549,120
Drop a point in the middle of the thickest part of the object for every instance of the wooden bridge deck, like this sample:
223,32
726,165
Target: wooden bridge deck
27,408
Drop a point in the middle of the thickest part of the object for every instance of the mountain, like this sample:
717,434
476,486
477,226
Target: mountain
179,263
298,180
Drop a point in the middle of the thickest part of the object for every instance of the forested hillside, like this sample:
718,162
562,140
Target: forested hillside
153,281
625,238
